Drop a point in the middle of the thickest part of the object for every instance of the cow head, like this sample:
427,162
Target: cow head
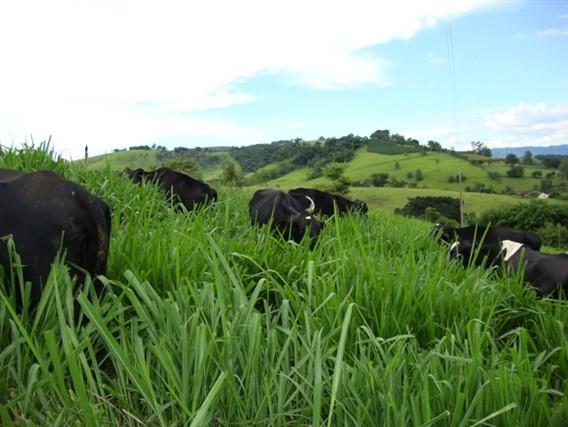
360,206
444,232
136,175
490,254
305,224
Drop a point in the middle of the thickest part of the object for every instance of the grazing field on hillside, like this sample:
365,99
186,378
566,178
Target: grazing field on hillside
209,321
436,169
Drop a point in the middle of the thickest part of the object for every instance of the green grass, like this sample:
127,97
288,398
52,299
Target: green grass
209,321
435,167
145,159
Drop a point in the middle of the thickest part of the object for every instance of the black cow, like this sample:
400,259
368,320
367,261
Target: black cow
189,191
548,273
285,213
490,235
326,203
44,212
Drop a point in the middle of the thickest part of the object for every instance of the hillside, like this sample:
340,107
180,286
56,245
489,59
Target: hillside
150,159
436,168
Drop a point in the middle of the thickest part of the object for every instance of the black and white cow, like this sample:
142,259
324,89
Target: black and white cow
327,203
548,273
285,214
490,235
44,212
189,191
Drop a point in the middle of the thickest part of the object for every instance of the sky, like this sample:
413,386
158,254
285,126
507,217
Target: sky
117,73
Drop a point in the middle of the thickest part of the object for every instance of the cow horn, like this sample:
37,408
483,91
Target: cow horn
312,205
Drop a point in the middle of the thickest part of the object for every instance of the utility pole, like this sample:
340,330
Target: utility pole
461,197
86,153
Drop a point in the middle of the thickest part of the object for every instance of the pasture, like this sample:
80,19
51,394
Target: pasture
209,321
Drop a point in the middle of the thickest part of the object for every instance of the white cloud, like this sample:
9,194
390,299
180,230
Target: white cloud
527,124
105,65
448,136
553,32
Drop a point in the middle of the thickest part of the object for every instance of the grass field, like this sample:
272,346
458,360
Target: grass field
208,321
435,167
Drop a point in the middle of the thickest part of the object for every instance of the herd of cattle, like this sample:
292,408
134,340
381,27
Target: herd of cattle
44,213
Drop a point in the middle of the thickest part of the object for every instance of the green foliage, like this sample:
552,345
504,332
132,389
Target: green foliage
536,174
339,182
417,207
456,178
434,146
479,187
494,175
31,157
546,186
231,174
529,216
481,149
554,235
516,171
186,165
378,179
527,158
511,159
298,153
208,321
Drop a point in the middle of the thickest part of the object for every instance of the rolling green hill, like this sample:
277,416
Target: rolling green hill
149,159
436,169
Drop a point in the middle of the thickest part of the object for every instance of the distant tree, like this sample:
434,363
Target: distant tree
418,206
396,165
231,174
418,175
339,182
563,172
511,159
550,161
381,134
527,158
379,179
563,169
546,185
494,175
516,171
186,165
536,174
481,149
434,146
410,174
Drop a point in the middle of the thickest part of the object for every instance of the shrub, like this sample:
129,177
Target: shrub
378,179
494,175
417,206
534,216
516,171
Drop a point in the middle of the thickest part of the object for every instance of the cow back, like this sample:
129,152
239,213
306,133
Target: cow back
43,212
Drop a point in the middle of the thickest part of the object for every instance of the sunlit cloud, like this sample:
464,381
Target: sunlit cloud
76,62
529,124
553,32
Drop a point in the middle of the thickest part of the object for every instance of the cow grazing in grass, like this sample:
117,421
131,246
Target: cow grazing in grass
44,212
548,273
285,214
187,190
326,203
490,235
